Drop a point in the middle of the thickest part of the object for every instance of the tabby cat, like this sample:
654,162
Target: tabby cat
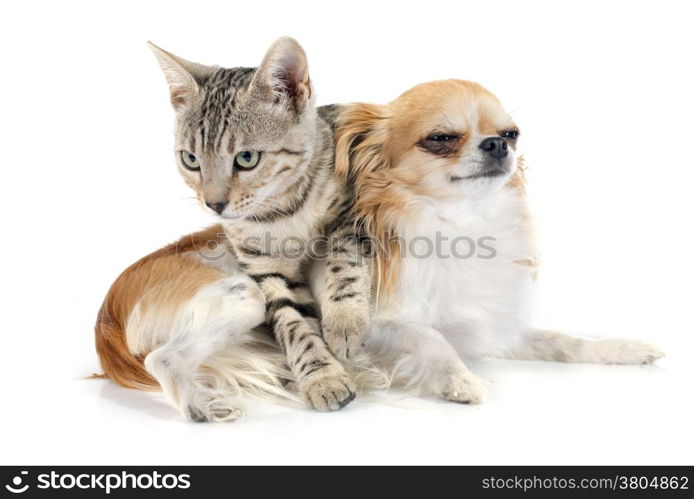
259,156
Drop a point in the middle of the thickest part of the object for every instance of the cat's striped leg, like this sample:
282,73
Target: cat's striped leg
342,285
290,311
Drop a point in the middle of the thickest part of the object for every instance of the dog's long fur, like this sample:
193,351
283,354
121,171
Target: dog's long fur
176,296
160,275
423,169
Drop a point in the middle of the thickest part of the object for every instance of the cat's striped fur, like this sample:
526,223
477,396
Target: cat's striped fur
270,216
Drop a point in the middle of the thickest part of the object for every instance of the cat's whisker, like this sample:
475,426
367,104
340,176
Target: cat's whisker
272,208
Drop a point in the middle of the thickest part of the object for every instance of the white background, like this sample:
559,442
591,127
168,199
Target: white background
602,93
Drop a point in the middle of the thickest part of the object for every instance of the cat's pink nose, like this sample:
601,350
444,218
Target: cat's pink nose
218,207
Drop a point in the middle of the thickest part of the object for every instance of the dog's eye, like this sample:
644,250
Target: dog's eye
442,137
509,134
190,161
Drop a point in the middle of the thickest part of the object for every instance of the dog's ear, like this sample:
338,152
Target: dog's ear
359,141
362,162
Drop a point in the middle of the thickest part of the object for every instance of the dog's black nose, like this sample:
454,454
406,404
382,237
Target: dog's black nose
496,147
218,207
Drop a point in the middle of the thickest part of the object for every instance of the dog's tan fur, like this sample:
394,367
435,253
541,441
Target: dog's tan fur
164,279
368,160
440,160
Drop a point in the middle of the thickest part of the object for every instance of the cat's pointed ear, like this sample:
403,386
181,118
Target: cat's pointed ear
282,77
183,77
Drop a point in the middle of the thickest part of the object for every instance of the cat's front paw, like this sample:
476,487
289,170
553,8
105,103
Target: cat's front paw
463,387
345,333
328,392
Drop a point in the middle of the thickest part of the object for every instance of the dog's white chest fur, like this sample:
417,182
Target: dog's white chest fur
467,272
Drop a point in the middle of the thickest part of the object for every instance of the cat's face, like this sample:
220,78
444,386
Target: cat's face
244,136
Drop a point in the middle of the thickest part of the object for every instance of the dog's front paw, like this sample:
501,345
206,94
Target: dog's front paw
328,392
463,387
617,351
345,333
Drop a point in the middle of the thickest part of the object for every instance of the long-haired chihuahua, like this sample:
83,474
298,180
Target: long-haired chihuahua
441,192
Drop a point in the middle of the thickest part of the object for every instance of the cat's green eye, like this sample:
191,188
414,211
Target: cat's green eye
246,160
190,161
